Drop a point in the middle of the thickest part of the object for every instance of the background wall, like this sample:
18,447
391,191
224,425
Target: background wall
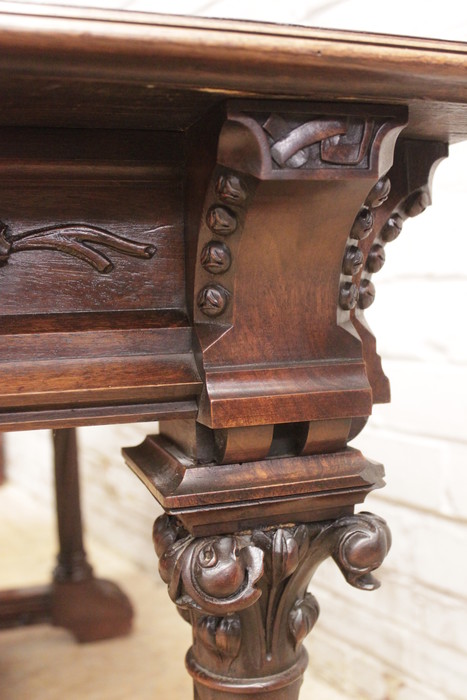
408,640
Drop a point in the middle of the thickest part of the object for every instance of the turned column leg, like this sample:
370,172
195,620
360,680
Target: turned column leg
72,564
246,597
90,608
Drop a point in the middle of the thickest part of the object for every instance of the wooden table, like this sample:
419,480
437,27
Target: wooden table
193,212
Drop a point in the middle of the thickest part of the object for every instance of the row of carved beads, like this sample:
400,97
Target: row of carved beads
216,257
415,205
350,295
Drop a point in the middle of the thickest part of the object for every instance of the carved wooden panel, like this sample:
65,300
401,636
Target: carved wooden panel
93,209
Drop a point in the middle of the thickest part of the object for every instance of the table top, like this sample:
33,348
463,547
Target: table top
135,70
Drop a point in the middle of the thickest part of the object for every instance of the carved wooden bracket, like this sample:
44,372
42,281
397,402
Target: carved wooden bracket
77,240
246,596
286,187
289,216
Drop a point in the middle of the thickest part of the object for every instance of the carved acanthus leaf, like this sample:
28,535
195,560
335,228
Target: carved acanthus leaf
222,635
302,618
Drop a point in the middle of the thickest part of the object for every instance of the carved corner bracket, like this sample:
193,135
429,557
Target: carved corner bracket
286,185
246,596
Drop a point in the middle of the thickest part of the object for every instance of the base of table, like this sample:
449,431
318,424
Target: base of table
91,610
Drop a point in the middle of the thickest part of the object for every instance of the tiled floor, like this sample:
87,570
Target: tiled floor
44,663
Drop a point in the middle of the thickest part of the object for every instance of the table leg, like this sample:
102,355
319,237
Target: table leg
90,608
286,223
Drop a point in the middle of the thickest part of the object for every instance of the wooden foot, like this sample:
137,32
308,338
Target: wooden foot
246,597
91,610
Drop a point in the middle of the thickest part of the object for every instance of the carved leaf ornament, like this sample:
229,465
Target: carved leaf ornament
218,578
216,575
222,635
77,240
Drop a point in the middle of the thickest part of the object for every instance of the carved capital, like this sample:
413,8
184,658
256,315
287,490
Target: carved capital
246,595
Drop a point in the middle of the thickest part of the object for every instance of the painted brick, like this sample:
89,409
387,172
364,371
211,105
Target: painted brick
412,655
428,399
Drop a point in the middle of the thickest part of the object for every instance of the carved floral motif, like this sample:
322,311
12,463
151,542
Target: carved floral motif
302,618
231,189
216,257
363,224
77,240
353,261
215,575
222,635
221,220
363,293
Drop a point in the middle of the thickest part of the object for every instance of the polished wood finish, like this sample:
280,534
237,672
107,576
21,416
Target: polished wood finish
192,214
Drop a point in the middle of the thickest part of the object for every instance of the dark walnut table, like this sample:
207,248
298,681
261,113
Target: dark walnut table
192,214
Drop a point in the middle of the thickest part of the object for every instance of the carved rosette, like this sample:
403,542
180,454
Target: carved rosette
351,294
246,595
402,197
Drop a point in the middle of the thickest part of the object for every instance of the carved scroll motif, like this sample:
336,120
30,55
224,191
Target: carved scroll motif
340,141
246,595
77,240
